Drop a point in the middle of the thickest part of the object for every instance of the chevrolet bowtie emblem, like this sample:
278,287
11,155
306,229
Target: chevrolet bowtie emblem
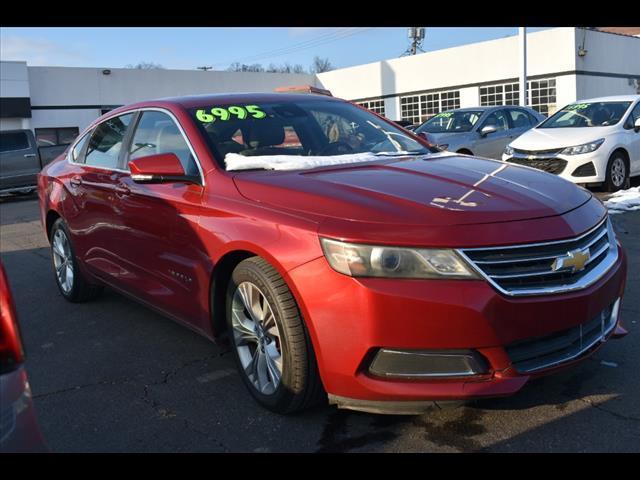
575,260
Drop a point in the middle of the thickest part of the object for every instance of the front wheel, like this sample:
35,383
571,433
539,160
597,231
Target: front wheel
271,346
617,176
71,282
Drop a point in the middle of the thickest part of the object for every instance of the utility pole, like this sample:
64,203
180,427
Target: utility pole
522,40
204,68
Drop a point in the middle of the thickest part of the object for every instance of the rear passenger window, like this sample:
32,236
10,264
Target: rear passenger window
158,133
77,150
11,141
519,119
106,142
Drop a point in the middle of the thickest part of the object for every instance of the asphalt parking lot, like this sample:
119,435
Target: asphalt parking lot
113,376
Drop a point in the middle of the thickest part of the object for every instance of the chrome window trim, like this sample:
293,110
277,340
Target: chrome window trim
142,109
586,281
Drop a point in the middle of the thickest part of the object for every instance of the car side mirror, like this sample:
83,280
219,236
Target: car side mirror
636,125
160,168
487,129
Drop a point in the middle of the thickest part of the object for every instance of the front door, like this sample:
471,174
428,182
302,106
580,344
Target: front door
166,262
493,144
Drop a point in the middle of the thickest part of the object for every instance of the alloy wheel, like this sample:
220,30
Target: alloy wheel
618,172
256,337
62,260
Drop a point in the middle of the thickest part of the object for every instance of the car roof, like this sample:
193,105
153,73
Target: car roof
191,101
613,98
487,108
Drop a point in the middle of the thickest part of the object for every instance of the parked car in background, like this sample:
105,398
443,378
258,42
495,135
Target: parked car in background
406,124
21,160
591,142
481,131
19,431
358,262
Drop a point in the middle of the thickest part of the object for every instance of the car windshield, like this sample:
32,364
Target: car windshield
451,122
577,115
309,128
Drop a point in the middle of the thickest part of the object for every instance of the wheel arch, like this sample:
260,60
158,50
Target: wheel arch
50,219
464,151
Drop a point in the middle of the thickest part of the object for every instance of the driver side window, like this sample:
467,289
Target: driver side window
156,133
635,115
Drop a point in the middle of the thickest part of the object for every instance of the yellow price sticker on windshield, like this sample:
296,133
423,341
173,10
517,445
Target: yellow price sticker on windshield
240,112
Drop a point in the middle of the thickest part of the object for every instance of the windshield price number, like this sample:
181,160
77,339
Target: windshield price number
225,113
577,106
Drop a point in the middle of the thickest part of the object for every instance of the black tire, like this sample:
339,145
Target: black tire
81,289
612,181
300,386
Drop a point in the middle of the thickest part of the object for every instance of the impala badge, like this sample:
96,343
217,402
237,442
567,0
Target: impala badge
575,260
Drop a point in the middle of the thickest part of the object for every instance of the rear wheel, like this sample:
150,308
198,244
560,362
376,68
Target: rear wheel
617,176
71,282
270,343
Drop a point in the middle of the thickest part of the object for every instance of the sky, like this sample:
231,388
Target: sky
191,47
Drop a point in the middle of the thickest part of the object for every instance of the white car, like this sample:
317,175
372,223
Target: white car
591,142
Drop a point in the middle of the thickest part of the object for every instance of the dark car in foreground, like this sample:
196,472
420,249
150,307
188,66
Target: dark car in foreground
339,255
19,431
482,131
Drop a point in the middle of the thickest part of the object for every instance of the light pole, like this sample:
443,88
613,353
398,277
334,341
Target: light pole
523,66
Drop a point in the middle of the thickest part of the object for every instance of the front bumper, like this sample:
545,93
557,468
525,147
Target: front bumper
575,162
350,319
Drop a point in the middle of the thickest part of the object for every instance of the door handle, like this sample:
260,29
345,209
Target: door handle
29,155
122,189
75,181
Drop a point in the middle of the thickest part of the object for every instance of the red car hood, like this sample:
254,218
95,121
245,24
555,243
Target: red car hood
429,191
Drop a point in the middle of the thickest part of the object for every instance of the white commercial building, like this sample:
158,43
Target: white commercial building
563,65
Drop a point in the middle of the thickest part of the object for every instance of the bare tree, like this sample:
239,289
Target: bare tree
321,65
243,67
145,66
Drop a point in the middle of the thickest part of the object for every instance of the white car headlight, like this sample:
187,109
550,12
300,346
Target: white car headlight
359,260
584,148
508,151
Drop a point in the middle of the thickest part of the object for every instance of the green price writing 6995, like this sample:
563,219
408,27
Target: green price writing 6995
226,113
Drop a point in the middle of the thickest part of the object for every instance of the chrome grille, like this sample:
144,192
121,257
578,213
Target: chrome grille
550,267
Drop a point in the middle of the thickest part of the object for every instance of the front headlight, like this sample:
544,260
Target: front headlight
358,260
508,151
584,148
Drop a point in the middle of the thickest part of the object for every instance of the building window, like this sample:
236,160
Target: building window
376,106
418,108
47,137
410,108
542,95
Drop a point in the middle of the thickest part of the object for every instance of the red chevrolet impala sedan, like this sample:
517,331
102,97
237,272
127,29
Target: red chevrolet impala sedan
338,254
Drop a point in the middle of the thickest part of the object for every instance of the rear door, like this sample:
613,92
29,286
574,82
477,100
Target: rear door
493,144
19,162
519,122
165,262
96,223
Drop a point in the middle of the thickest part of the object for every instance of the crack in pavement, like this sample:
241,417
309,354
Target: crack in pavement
167,413
80,387
598,406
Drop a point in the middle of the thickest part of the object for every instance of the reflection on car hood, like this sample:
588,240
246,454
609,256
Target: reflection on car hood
440,189
557,138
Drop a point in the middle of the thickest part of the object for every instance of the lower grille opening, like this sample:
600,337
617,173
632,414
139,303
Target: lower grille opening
535,354
550,165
